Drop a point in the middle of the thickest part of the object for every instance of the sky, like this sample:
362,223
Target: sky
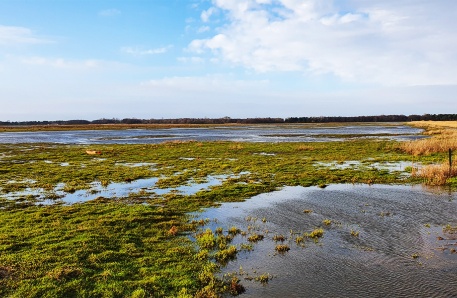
93,59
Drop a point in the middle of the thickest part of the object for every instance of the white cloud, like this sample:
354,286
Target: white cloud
61,63
203,29
193,59
206,14
141,52
111,12
384,42
10,35
53,88
210,83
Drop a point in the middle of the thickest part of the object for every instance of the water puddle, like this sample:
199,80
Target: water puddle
137,164
265,154
138,137
98,159
114,190
25,181
399,166
378,241
351,164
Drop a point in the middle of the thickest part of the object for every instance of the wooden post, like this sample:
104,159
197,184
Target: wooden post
450,163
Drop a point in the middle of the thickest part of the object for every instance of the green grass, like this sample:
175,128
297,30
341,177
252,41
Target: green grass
290,165
94,250
123,248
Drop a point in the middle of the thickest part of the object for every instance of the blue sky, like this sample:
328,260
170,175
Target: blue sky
92,59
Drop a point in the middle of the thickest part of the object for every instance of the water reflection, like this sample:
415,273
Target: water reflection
397,252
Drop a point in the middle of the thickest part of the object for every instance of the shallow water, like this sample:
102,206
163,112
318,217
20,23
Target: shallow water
115,190
267,133
396,254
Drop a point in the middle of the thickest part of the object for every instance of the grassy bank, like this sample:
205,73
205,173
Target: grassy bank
139,246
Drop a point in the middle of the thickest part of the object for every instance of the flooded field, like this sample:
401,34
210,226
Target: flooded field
266,133
116,214
378,241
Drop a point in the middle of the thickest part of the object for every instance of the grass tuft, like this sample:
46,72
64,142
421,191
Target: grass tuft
277,238
316,233
255,237
282,248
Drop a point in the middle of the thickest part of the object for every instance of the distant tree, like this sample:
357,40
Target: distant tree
131,121
106,121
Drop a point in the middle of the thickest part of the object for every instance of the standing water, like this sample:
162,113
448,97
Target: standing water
379,241
265,133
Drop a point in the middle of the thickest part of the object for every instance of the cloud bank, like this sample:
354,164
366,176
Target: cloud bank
12,35
390,43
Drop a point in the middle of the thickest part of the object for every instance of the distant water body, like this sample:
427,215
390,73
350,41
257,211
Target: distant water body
264,133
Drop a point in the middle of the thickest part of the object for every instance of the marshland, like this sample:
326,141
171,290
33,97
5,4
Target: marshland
259,210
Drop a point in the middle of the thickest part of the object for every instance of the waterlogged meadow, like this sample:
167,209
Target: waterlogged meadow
142,241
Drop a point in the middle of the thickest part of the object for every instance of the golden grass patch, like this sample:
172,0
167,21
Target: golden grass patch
437,174
443,137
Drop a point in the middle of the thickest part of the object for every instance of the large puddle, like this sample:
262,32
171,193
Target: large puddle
115,190
379,241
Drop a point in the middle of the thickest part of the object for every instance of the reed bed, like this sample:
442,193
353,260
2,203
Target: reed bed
448,124
443,138
436,174
432,145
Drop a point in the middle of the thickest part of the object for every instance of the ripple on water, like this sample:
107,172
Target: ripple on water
391,221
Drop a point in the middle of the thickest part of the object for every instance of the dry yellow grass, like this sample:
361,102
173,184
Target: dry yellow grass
305,148
443,137
436,174
448,124
432,145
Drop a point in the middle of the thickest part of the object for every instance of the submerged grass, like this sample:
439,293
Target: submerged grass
139,245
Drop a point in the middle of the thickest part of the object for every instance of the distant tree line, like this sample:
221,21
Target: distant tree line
225,120
379,118
228,120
